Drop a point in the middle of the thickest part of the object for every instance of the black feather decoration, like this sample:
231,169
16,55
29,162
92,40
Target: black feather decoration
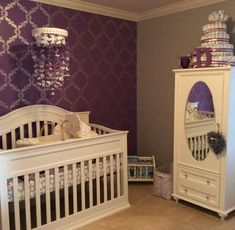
216,141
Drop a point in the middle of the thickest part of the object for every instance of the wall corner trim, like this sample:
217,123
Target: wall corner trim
127,15
175,8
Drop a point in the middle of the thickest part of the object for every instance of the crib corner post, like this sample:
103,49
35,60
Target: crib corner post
4,209
124,168
1,227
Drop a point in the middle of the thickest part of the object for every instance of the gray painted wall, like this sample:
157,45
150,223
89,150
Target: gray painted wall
160,43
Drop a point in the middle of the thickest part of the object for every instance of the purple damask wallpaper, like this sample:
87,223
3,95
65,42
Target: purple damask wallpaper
102,63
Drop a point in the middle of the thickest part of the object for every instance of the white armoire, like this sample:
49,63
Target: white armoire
201,176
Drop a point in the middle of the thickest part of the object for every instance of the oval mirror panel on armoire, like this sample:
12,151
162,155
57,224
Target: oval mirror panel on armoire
199,120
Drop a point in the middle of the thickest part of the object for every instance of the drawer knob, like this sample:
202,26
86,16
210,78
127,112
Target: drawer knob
186,176
185,190
207,198
208,182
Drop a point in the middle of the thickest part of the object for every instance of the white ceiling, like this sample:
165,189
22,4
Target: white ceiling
134,6
133,10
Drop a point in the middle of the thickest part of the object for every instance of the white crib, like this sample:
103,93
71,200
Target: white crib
60,185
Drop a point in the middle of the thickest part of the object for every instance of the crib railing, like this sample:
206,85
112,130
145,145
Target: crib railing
60,185
37,129
42,197
196,134
198,146
51,193
27,130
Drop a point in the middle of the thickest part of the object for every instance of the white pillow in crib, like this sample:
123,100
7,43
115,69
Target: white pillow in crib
82,129
25,142
58,132
85,130
56,136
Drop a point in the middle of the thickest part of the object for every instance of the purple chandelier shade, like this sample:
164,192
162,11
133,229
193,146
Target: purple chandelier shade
51,58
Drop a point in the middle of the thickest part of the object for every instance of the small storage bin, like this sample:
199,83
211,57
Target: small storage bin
163,182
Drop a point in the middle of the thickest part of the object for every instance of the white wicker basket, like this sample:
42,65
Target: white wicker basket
163,182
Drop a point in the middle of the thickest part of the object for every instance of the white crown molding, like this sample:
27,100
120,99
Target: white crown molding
92,8
122,14
175,8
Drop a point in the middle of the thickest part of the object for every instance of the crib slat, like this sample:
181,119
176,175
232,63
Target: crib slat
83,185
190,143
21,132
27,202
118,174
206,144
38,199
16,204
30,129
90,184
37,128
66,192
4,214
57,193
13,139
195,147
45,128
122,174
98,180
192,148
111,177
105,178
75,206
201,148
198,147
188,140
48,199
4,142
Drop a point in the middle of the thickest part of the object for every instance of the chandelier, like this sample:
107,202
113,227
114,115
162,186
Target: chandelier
51,58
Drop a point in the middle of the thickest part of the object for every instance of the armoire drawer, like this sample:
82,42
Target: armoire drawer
199,186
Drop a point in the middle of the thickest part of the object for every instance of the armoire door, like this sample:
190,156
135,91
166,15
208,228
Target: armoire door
189,141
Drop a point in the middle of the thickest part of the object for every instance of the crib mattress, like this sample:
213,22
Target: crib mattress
42,179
